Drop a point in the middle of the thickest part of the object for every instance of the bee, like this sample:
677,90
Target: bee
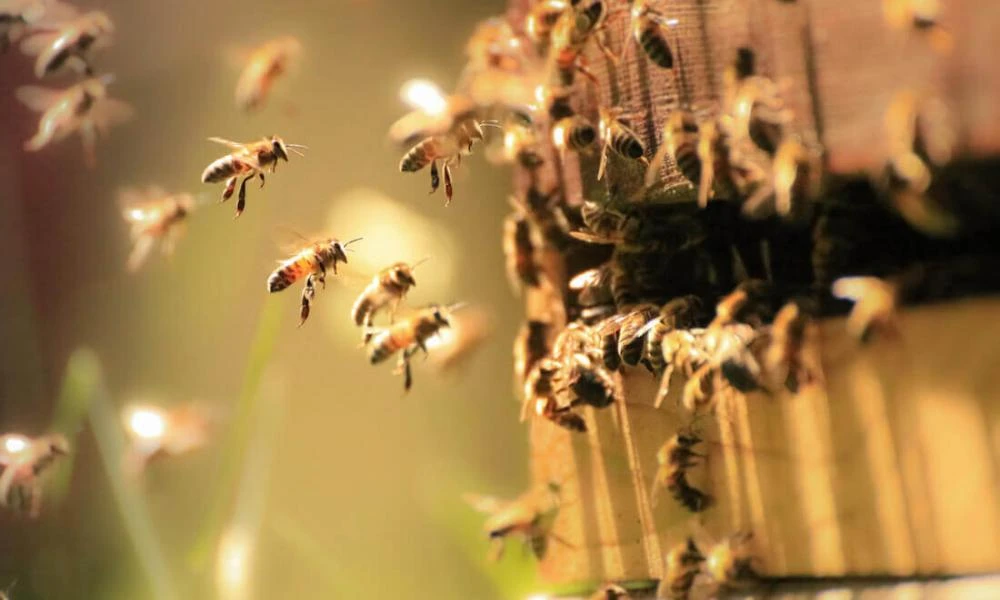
540,393
447,149
681,134
408,336
83,108
266,64
155,432
546,215
617,136
70,45
530,516
530,346
570,34
387,289
589,382
682,565
610,591
609,329
16,16
876,304
519,250
634,331
795,176
647,29
312,262
573,133
24,461
675,457
541,18
730,563
679,313
752,302
520,143
247,160
456,343
786,355
576,338
154,216
681,349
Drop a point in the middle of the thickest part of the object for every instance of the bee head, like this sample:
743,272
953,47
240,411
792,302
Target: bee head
441,317
58,444
339,252
279,149
402,274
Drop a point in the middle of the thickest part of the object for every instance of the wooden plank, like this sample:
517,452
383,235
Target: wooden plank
890,469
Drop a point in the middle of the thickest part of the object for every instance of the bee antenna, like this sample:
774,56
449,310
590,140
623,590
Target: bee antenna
297,148
346,244
420,262
456,306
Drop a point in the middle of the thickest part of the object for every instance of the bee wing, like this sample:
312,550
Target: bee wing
611,324
595,277
485,504
591,238
109,112
416,125
37,43
228,143
36,98
290,241
140,252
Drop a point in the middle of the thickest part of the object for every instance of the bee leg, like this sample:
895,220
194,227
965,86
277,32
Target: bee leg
581,66
603,45
241,202
308,293
261,175
447,184
435,178
227,193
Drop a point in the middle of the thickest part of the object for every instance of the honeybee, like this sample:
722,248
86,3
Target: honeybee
70,44
876,303
610,591
24,461
593,288
730,563
679,313
570,34
681,134
155,432
675,457
530,517
634,331
682,565
387,289
84,108
520,143
311,261
16,16
530,346
541,18
408,336
576,338
519,251
796,175
573,133
247,160
544,211
680,348
617,136
265,65
540,394
752,302
647,29
787,356
609,329
154,216
589,382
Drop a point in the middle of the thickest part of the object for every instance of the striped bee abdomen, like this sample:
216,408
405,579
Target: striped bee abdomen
419,156
224,168
626,143
363,307
656,47
288,273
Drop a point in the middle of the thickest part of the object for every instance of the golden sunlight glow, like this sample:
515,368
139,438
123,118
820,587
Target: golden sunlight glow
232,567
424,95
539,597
559,136
15,443
146,422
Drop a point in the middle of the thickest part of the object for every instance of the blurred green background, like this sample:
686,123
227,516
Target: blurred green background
353,489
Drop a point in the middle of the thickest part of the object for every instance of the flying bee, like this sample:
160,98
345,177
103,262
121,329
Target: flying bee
530,517
387,289
447,149
408,336
16,16
610,591
730,563
452,345
156,432
758,110
788,356
541,18
876,303
265,65
70,44
682,565
648,30
573,133
530,346
675,457
154,216
681,133
617,136
312,262
83,108
679,313
247,160
545,212
24,461
519,251
589,382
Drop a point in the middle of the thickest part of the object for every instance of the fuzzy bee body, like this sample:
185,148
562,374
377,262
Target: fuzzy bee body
312,263
620,138
683,563
71,44
530,346
265,65
573,133
590,383
387,288
530,516
679,313
632,336
447,148
246,161
542,18
731,562
647,30
408,336
675,457
519,252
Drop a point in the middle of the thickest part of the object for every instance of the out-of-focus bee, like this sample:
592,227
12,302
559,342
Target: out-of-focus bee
648,30
530,517
520,144
576,338
519,251
540,396
265,65
155,432
680,142
795,176
541,18
610,591
545,212
570,34
408,336
681,567
589,382
921,15
730,563
675,457
752,302
728,351
756,106
680,313
70,44
573,133
247,160
387,289
681,349
24,461
530,346
467,331
876,304
84,108
312,262
617,136
154,216
16,16
788,357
